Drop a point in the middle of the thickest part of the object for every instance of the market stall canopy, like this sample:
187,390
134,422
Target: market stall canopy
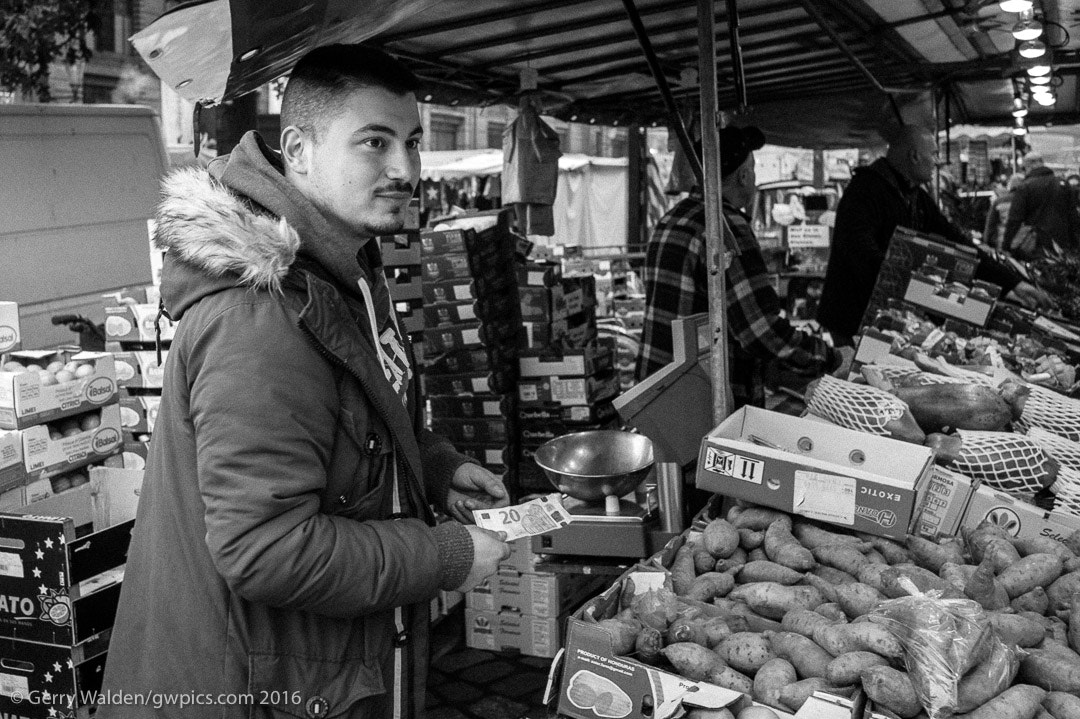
453,164
588,66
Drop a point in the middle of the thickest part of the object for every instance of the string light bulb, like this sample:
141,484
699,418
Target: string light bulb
1038,70
1040,80
1046,99
1032,49
1016,5
1019,109
1028,28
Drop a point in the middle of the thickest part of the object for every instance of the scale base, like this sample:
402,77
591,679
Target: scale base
595,533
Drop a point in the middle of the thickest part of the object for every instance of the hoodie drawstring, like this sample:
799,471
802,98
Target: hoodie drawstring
384,360
157,328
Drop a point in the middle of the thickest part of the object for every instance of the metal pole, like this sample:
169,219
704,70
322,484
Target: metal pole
736,55
717,257
665,90
937,142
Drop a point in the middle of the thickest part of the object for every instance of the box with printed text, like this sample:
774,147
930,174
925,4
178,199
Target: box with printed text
137,323
10,336
50,385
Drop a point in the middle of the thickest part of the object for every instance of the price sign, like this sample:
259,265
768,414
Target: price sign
800,237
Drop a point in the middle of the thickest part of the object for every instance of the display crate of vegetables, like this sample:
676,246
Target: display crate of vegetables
778,607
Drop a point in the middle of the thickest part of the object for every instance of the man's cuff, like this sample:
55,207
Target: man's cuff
455,554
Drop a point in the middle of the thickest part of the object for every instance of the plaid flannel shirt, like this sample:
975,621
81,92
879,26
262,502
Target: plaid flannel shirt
676,285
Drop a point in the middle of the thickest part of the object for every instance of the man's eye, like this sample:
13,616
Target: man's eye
375,142
413,144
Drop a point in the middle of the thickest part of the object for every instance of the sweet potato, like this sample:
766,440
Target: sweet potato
1034,601
648,644
704,562
773,600
1051,669
956,575
753,621
985,589
782,548
728,678
751,539
1062,705
988,679
803,621
1034,570
1043,545
1001,553
848,667
759,518
1058,630
623,634
857,599
1061,590
746,652
793,696
766,571
949,407
931,555
843,638
923,579
1017,629
656,608
977,539
682,568
1073,542
1021,701
891,689
827,589
692,661
720,538
832,610
893,551
709,585
773,676
875,557
807,657
840,556
870,575
701,713
812,536
757,555
686,630
1074,624
732,563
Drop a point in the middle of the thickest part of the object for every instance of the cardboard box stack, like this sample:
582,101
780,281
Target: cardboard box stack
472,328
63,567
568,376
133,330
10,336
59,415
521,609
401,257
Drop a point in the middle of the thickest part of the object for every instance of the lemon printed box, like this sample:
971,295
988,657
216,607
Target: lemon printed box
136,323
41,386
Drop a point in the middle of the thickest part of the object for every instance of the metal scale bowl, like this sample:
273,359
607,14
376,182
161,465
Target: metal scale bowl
595,469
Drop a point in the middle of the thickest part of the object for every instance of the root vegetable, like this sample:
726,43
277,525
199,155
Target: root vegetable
759,518
1062,705
848,667
1021,701
656,608
693,661
773,676
732,563
957,575
728,678
1034,570
1061,590
857,599
782,547
757,555
893,552
709,585
773,600
623,634
793,696
835,576
1044,545
932,556
751,539
1001,553
923,579
842,557
810,535
947,407
808,658
891,689
766,571
988,679
864,636
1073,542
1074,624
870,575
648,644
1034,601
682,568
720,538
803,621
875,557
686,630
976,539
985,589
1018,629
704,562
827,589
1051,669
746,652
831,610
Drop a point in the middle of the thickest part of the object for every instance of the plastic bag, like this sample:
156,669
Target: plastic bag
952,653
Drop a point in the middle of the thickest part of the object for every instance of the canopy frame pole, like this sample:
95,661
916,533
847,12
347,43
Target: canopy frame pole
665,89
736,55
812,10
715,247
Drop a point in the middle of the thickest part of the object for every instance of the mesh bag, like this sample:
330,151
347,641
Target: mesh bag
1068,498
855,406
1051,411
1003,460
910,376
1067,482
1063,450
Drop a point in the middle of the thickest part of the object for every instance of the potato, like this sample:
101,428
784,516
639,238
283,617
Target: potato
773,600
686,630
842,557
648,644
728,678
807,657
811,535
1017,629
827,589
922,578
766,571
870,575
977,539
745,652
1073,542
732,563
1074,624
720,538
751,539
930,555
985,589
682,569
891,689
1021,701
857,599
757,713
1061,590
1001,553
875,557
893,552
1034,601
1051,669
848,667
1062,705
956,575
757,555
699,713
988,679
803,621
773,676
1034,570
623,634
832,610
1043,545
693,661
865,636
759,518
656,608
704,562
709,585
782,548
793,696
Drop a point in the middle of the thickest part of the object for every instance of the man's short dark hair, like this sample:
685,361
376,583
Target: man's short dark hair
322,76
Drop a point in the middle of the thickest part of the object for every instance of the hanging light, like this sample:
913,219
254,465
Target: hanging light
1016,5
1028,28
1019,108
1040,80
1046,99
1018,127
1038,70
1040,89
1032,48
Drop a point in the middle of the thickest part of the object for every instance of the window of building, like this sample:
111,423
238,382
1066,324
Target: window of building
495,134
114,26
97,89
444,131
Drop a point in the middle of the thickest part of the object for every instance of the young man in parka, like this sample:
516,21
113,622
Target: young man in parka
285,552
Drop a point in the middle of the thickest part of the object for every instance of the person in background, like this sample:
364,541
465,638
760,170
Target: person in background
994,232
676,283
880,197
285,546
1043,205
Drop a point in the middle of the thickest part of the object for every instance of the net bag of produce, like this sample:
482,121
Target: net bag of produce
1063,450
913,377
1004,460
1049,410
862,407
953,655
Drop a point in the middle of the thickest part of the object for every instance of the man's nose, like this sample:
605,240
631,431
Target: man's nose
399,165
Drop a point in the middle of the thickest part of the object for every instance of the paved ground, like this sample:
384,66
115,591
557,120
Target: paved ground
466,683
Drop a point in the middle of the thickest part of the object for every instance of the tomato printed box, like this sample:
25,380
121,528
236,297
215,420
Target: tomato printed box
815,469
37,387
73,441
10,338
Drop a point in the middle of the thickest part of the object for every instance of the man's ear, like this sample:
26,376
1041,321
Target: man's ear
295,150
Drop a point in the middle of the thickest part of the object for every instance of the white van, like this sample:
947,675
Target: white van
78,185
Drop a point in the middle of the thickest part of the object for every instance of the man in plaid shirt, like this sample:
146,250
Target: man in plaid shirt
676,283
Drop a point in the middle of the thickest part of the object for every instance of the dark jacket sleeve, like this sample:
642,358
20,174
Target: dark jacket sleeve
264,409
440,461
990,230
1018,211
989,269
